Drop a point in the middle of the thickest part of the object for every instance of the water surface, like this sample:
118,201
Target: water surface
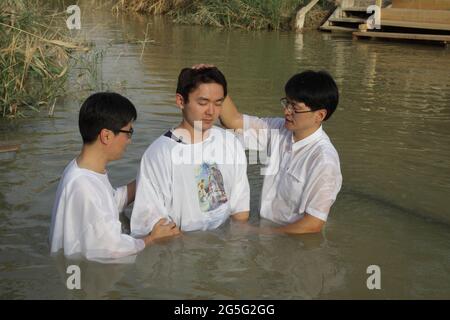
391,130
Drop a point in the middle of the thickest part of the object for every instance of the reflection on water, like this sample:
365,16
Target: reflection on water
215,265
391,130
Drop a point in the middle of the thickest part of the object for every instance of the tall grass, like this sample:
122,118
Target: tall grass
247,14
34,55
151,6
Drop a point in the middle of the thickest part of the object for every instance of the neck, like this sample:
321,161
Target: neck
191,134
92,159
302,134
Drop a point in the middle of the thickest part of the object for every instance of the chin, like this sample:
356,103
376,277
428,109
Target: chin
207,126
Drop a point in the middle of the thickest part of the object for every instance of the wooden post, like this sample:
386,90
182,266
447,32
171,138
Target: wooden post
300,17
9,148
8,152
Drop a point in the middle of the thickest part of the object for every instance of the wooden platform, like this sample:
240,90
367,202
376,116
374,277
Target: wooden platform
437,18
424,5
444,39
427,20
349,15
415,25
337,29
417,20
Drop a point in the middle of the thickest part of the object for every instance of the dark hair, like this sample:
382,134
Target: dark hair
104,110
315,89
190,79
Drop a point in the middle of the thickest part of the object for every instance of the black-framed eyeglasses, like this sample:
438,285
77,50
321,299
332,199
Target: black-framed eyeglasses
290,105
129,132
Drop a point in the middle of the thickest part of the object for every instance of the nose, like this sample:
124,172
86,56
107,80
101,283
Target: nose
210,109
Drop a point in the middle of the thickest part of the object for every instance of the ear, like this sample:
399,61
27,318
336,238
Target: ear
105,136
321,114
179,100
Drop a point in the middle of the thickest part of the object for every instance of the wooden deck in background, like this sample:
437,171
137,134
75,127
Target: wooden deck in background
420,4
427,20
444,39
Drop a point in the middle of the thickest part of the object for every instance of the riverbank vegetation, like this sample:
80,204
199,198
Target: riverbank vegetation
35,52
245,14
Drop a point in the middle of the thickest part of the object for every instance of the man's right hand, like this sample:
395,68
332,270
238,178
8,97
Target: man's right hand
161,230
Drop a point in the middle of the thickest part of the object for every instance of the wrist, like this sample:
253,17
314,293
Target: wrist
148,240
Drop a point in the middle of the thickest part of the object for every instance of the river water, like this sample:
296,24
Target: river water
391,129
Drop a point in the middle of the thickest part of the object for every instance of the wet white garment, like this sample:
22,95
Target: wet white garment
198,186
300,177
85,217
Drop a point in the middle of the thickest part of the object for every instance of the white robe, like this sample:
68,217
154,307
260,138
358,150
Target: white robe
198,186
85,217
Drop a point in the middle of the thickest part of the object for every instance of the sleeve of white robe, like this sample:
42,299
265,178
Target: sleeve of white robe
153,195
100,231
257,131
240,192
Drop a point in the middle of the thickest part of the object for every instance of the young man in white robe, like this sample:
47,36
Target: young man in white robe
85,217
195,174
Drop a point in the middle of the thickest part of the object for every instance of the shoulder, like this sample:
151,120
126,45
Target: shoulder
325,158
83,182
79,188
327,149
160,146
227,137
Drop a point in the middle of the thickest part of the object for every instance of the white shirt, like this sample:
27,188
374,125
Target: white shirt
302,176
198,186
85,217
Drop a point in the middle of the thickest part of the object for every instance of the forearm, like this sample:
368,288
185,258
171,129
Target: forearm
240,216
148,240
307,224
230,117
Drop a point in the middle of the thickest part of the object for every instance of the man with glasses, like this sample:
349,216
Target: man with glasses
299,194
85,217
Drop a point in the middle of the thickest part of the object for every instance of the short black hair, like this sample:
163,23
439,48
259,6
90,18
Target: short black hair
190,79
104,110
316,89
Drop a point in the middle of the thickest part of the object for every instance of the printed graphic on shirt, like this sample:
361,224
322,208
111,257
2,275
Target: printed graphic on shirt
211,192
